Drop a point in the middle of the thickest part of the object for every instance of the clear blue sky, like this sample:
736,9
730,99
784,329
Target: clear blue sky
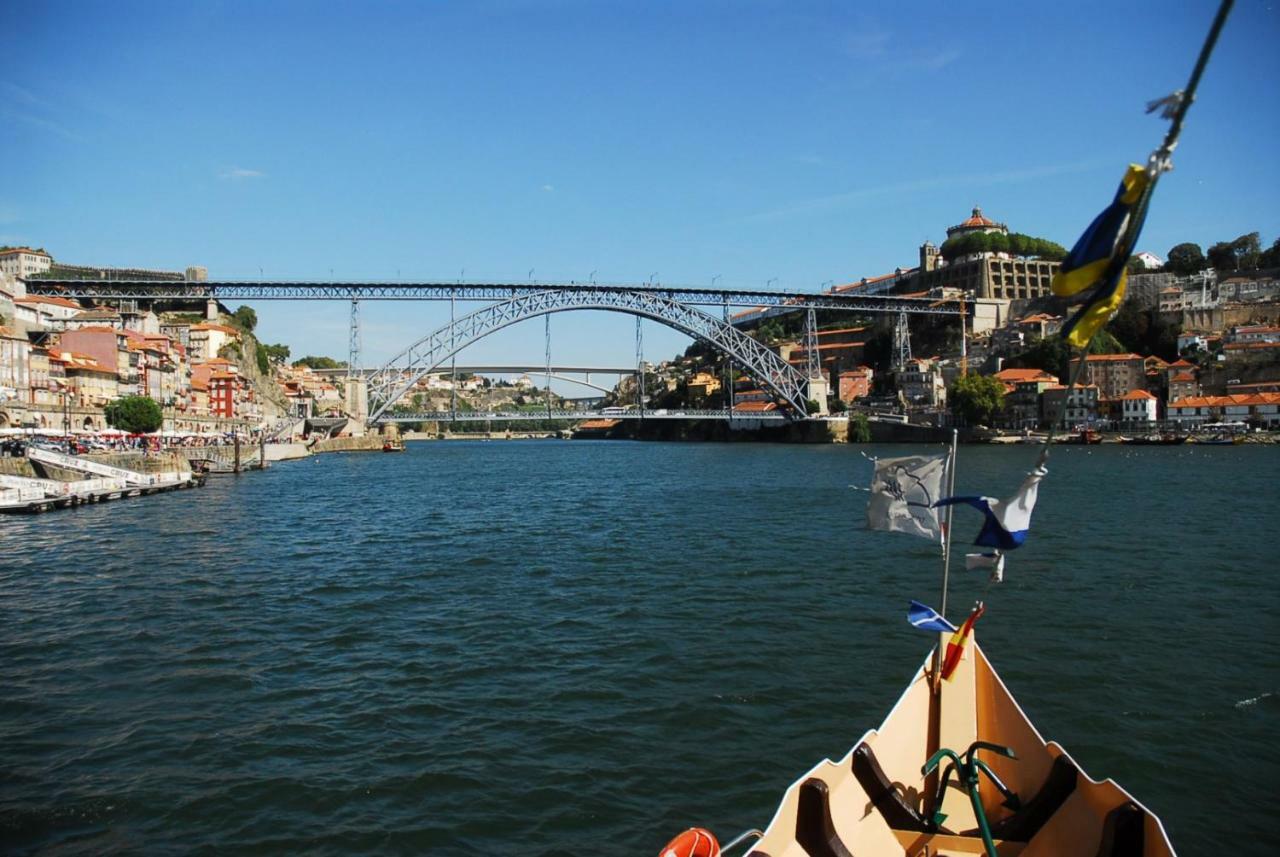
803,141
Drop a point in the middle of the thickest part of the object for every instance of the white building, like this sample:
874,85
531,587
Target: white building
23,261
206,340
1138,406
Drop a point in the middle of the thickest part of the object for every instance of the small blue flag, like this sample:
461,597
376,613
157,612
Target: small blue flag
925,618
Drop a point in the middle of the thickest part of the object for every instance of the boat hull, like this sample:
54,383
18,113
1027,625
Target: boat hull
877,800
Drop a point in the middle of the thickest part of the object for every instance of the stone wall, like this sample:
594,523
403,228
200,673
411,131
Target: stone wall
367,443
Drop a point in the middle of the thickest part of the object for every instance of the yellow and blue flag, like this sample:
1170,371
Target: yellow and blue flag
1095,259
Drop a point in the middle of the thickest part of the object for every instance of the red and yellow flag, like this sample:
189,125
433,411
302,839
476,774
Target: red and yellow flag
955,646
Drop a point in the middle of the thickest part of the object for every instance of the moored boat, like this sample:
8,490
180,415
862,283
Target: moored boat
393,446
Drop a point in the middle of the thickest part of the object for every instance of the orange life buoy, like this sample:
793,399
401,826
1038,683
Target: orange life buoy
694,842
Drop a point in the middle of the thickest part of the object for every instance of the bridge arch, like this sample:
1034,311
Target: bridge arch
389,383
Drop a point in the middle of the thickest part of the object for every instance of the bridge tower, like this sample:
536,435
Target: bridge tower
901,343
357,386
818,386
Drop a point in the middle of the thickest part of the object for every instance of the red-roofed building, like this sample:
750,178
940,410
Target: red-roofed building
1138,406
976,222
1260,409
854,384
1114,374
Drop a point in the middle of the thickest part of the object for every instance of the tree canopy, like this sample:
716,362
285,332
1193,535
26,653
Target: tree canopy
134,414
976,399
320,362
245,318
1186,258
1242,254
1015,244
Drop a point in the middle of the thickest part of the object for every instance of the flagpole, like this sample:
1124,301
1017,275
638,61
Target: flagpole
946,536
946,555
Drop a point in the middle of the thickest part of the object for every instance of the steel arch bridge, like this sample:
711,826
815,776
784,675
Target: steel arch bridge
390,382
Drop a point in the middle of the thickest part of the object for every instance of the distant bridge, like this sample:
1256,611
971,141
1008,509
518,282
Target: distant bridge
302,290
579,414
509,303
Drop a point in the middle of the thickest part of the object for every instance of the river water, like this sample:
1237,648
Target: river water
551,647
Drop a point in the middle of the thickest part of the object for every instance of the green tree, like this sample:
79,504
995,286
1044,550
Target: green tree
859,429
1271,258
1185,258
1015,243
262,358
1222,257
976,399
134,414
245,318
278,354
319,362
1248,251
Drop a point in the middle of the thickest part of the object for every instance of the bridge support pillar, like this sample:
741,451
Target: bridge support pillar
357,398
818,388
211,309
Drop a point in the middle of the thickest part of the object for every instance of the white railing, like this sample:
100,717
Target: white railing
73,462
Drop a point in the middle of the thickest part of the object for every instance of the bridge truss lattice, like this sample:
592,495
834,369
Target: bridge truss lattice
399,375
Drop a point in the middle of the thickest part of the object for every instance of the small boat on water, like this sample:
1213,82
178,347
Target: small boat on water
393,446
1084,436
911,786
1155,440
1218,440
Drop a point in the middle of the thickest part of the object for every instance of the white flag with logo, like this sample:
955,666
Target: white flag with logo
903,491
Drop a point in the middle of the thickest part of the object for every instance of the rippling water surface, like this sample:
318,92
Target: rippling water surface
582,648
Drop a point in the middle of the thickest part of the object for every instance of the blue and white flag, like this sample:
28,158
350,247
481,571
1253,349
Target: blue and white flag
1007,521
903,495
925,618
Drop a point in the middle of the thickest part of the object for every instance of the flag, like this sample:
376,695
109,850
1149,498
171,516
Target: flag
1007,521
993,561
903,492
1090,262
955,646
925,618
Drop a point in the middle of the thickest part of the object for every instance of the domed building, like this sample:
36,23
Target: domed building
976,223
986,275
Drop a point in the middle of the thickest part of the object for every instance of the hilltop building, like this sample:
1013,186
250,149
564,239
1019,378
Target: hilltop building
24,262
988,275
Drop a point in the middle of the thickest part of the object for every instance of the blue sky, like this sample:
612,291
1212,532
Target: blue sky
802,141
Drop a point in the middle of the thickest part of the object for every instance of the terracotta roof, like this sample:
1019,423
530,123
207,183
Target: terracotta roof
1249,346
27,250
976,220
1102,358
1136,396
822,333
1017,375
1181,363
219,327
94,313
1224,401
756,406
598,424
45,299
1182,377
